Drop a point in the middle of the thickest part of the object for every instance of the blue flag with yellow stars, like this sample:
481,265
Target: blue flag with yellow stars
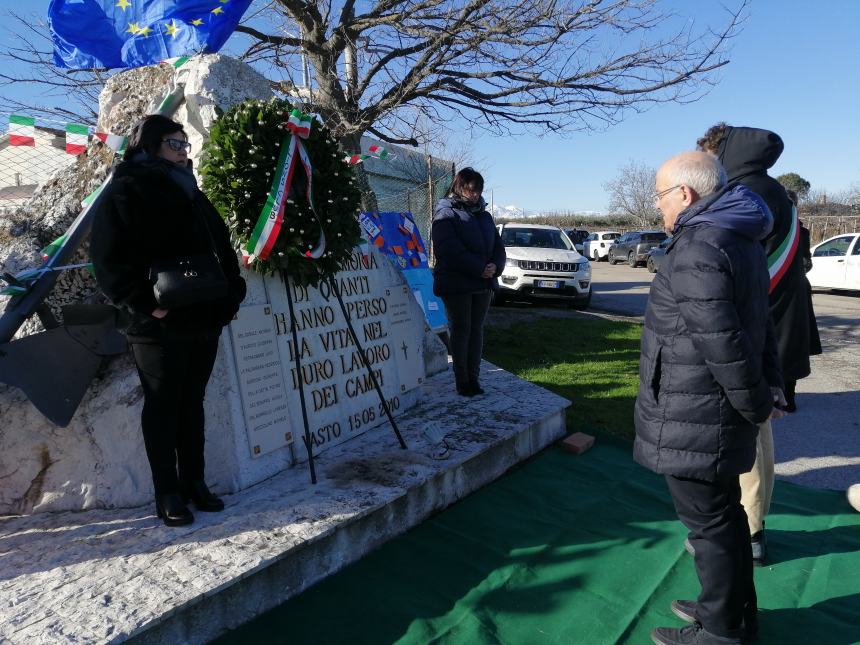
132,33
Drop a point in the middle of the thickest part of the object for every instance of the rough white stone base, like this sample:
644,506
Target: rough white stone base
114,575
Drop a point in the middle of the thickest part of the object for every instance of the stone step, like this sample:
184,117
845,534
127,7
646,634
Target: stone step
116,575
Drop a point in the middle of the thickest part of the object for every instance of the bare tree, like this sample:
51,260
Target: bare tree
501,65
631,193
28,59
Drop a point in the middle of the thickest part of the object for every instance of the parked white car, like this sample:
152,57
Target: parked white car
836,263
596,245
542,263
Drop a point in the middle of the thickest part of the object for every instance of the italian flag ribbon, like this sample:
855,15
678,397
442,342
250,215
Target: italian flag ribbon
780,259
115,142
271,219
373,152
77,136
22,130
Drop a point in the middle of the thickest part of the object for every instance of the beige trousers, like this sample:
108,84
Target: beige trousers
757,484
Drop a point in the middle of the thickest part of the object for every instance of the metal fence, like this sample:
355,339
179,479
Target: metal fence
31,152
412,182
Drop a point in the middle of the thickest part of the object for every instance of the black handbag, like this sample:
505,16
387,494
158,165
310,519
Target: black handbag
189,280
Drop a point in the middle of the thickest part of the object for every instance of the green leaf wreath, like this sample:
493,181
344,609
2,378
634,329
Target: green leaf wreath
238,167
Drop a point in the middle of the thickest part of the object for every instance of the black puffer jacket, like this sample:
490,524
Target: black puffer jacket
707,358
147,216
746,154
465,240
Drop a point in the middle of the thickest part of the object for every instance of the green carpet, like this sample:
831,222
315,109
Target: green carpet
578,550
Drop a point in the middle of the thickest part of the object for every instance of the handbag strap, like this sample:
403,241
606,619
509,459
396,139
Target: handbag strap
208,232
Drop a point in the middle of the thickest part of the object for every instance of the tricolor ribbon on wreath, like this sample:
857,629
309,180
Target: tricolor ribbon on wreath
271,219
780,259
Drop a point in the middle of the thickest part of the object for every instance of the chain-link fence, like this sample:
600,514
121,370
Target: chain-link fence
31,151
410,182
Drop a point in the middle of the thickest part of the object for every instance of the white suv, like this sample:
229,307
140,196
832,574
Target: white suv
596,245
542,263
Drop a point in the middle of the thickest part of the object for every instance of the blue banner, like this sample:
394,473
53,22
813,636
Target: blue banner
132,33
397,236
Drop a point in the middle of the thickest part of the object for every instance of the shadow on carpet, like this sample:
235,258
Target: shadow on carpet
583,550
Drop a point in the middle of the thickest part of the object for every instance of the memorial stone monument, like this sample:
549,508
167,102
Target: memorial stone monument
253,410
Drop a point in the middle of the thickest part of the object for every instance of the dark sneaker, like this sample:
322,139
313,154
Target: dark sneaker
693,634
686,611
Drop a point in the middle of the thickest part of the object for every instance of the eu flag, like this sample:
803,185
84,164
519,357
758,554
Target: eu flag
132,33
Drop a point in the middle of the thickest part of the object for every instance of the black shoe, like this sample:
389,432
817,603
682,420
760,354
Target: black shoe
465,390
758,542
476,388
203,499
172,510
686,611
693,634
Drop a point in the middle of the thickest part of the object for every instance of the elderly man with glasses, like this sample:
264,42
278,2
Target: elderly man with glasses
707,368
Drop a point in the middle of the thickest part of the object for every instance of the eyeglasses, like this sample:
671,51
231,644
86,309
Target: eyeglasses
177,144
662,193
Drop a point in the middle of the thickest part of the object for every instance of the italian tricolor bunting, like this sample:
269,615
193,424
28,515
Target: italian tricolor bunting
115,142
76,138
378,151
373,152
22,130
781,258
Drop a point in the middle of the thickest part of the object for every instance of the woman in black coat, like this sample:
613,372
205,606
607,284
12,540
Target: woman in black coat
469,258
153,211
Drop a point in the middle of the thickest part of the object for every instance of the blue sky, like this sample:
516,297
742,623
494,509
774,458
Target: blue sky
794,69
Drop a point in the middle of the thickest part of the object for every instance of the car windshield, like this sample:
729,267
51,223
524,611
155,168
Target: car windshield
540,238
611,236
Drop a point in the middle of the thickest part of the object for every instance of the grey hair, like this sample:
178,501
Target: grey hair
701,171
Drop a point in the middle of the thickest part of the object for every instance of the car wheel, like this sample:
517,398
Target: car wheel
498,299
651,267
610,258
631,259
595,255
582,304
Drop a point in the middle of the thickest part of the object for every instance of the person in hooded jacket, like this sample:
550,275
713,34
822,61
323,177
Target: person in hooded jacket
152,210
469,259
707,367
747,154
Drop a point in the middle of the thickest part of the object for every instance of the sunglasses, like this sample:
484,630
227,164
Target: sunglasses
177,144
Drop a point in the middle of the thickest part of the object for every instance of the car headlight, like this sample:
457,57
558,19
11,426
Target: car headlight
510,262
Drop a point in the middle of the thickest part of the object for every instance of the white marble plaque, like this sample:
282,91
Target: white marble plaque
261,379
340,396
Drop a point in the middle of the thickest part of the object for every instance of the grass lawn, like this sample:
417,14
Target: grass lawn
592,362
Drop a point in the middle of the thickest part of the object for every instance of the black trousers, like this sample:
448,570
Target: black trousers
174,378
713,513
466,313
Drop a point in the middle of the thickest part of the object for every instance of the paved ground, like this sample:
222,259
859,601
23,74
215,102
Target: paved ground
819,445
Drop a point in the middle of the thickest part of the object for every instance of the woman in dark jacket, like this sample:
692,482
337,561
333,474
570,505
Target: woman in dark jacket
153,211
469,257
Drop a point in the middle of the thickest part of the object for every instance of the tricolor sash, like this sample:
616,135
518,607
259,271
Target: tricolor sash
780,259
271,218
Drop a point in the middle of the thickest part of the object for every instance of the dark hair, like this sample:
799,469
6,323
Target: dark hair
792,195
466,177
148,133
714,138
